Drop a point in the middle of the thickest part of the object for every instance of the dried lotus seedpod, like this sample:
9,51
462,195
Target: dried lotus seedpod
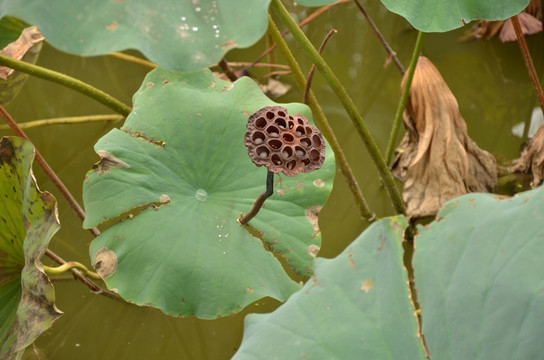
284,143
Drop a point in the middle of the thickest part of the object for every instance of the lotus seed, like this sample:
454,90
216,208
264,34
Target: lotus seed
285,154
273,134
263,154
299,133
258,141
300,153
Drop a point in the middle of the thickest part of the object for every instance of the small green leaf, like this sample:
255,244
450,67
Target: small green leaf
479,274
439,16
179,175
28,219
356,306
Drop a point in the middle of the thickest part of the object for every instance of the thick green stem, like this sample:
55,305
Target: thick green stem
403,98
67,81
322,121
346,101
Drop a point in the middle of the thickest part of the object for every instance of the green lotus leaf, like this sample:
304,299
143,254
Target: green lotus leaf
28,219
356,306
178,175
315,2
439,16
179,35
478,271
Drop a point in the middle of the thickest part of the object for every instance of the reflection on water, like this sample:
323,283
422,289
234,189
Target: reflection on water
488,78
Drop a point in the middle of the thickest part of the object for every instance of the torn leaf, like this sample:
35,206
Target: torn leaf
436,159
27,48
532,158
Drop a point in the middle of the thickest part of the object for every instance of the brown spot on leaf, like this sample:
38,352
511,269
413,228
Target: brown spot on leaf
367,285
228,45
313,250
312,213
382,244
113,26
107,162
436,159
105,262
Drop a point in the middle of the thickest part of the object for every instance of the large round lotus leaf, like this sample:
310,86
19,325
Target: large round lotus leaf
479,273
439,16
180,174
356,306
28,220
177,34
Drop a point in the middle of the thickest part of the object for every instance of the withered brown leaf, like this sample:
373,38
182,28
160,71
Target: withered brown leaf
436,159
532,158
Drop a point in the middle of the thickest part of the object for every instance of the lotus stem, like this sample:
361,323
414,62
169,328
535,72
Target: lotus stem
66,120
244,219
69,266
392,54
528,61
324,125
67,81
47,169
403,99
346,101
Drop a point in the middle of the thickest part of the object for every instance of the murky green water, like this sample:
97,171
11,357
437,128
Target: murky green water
488,78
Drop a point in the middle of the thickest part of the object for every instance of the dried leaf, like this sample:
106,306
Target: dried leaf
532,158
27,48
529,26
436,159
530,21
275,88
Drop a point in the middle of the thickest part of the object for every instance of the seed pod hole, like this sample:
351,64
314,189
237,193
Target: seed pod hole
281,123
276,159
287,152
300,121
270,115
275,144
281,113
291,124
300,152
260,123
306,142
305,161
317,141
262,152
291,164
273,131
300,131
308,130
288,138
314,154
258,138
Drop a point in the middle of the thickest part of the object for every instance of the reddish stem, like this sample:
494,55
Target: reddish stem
528,61
312,69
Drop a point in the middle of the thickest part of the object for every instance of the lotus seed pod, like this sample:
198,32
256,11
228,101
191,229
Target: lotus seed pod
284,143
